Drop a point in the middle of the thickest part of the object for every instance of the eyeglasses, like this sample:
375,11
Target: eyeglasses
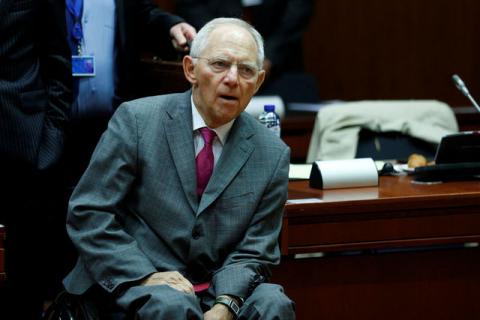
220,65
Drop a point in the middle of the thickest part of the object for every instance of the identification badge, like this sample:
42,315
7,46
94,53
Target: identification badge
83,66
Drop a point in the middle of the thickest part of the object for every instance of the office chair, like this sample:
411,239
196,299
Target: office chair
68,306
391,146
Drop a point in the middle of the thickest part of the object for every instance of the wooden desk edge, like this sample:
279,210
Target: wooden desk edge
456,202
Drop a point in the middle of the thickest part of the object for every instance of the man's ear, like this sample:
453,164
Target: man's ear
188,69
260,79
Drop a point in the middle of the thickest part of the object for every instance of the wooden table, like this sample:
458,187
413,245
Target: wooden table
396,251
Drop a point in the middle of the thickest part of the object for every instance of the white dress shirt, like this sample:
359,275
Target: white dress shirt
222,134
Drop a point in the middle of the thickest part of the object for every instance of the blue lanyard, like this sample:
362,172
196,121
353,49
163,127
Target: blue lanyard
75,8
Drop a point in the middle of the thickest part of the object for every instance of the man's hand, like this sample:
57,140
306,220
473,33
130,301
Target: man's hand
218,312
181,34
171,278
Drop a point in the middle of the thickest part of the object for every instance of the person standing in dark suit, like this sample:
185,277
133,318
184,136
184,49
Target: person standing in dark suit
280,22
109,36
179,212
35,97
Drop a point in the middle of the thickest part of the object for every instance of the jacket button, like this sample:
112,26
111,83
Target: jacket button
108,284
197,232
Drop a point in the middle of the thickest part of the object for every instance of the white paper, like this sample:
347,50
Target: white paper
304,200
299,171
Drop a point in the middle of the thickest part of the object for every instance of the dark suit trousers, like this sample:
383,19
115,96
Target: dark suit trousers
267,302
33,214
33,208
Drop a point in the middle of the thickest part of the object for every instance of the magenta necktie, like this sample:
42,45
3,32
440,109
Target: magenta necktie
204,160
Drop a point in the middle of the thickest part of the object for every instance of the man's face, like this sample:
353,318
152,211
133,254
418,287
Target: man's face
226,76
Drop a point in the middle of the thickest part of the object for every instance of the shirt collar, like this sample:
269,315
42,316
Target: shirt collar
198,122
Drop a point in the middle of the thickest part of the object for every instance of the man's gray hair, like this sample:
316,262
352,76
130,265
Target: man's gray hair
200,42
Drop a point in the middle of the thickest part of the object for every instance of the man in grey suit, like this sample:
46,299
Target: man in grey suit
156,243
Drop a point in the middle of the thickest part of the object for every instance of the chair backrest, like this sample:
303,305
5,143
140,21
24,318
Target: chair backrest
392,146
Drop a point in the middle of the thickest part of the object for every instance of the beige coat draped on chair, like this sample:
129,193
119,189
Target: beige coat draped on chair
336,130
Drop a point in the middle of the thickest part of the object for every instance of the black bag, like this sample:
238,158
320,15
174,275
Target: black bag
67,306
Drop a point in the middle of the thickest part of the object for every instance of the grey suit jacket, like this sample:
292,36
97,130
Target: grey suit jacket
135,210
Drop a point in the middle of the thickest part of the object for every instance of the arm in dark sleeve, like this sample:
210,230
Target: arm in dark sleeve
56,75
290,28
55,64
153,20
195,12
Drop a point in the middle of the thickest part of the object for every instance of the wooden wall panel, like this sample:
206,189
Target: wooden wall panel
397,49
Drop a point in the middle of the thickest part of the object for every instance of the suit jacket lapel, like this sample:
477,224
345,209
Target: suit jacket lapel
236,152
178,129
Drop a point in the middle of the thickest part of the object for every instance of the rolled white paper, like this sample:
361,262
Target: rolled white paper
347,173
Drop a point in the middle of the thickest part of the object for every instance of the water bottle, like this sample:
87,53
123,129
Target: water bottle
270,119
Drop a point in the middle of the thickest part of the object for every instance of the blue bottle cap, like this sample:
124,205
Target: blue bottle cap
269,108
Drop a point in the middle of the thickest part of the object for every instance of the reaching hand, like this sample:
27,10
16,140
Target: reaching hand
181,34
171,278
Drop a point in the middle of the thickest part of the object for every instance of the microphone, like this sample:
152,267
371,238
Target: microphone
463,89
